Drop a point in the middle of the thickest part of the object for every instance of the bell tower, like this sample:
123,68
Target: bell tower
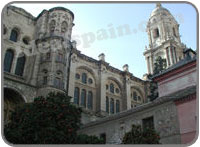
164,38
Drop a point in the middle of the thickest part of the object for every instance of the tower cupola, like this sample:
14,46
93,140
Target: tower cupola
164,38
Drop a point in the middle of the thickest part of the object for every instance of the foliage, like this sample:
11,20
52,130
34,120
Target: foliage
137,135
153,91
159,65
85,139
50,120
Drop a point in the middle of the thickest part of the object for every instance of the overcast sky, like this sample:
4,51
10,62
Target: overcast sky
92,19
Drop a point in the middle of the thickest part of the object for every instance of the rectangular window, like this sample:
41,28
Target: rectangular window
83,97
57,82
148,123
59,57
48,56
155,33
45,80
76,95
117,106
90,100
112,109
107,104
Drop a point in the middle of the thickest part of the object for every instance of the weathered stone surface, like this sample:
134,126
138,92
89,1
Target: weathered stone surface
165,122
48,57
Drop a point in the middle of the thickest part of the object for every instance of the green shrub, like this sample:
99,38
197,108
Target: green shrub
137,135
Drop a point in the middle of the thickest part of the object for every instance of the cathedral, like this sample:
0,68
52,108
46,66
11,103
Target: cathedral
39,57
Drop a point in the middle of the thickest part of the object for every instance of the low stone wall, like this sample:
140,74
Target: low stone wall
165,122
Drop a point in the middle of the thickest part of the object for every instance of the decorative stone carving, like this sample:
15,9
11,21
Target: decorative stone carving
74,59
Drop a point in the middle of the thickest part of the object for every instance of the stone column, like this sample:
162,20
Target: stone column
36,69
114,105
175,54
148,64
128,94
52,72
72,76
13,66
167,54
151,64
150,39
172,55
102,91
124,91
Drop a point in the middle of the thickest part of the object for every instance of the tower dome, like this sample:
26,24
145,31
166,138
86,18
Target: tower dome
160,10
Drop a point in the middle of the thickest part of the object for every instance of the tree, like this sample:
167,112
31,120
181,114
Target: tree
50,120
137,135
153,91
159,65
85,139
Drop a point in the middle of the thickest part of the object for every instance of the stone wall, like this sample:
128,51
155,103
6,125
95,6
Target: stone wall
27,91
177,82
165,122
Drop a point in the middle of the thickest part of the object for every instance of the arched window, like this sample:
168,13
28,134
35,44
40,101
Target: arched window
59,79
45,77
8,60
84,78
112,109
139,98
64,26
26,40
52,26
83,97
90,100
156,33
112,88
4,29
90,81
117,106
135,96
174,32
117,90
14,35
107,104
77,76
20,65
76,95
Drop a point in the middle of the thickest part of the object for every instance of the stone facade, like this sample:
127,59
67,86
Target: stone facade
164,119
164,38
40,57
